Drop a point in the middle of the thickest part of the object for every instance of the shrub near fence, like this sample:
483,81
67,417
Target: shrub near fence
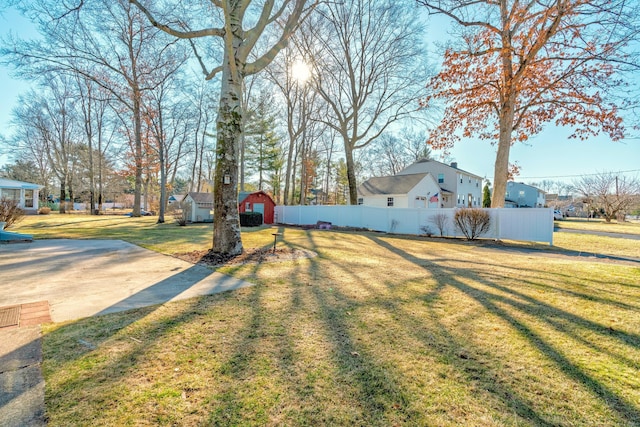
532,225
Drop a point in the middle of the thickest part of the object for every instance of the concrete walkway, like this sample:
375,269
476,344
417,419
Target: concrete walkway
78,278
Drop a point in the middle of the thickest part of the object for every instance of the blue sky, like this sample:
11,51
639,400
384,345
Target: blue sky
549,155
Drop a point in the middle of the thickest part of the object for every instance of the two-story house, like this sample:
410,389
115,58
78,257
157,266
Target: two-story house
520,195
426,184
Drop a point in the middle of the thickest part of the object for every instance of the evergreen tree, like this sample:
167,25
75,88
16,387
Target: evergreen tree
263,145
486,196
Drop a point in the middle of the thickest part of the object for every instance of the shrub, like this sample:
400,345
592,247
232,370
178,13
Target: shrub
181,212
45,210
10,212
472,222
441,221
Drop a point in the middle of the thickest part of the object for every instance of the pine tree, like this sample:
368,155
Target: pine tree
263,145
486,196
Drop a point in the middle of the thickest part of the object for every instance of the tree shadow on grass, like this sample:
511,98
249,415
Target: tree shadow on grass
562,321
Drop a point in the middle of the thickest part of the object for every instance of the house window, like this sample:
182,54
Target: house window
389,201
440,178
247,207
460,179
28,198
10,194
521,193
360,200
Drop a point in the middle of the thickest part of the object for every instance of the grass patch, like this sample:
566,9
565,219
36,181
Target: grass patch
599,225
376,330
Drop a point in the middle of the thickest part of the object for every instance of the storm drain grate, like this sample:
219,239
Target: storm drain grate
9,316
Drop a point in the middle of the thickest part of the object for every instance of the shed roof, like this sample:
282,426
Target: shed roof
201,198
244,194
396,184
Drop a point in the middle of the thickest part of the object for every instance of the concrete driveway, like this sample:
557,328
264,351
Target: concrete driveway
81,278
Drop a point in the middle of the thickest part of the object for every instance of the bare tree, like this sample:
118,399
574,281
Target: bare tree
394,151
49,127
239,43
609,193
519,64
368,66
110,43
302,109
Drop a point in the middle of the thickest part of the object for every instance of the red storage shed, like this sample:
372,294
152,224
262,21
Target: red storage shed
258,201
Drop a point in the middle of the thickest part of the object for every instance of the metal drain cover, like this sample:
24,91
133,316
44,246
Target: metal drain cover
9,316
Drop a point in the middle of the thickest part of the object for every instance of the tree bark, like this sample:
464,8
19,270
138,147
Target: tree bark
351,174
226,226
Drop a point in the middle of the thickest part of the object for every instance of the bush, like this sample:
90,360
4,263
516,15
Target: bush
45,210
441,221
10,212
472,222
181,212
250,219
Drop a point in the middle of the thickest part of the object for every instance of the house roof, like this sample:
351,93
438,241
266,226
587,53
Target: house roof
396,184
10,183
423,165
201,198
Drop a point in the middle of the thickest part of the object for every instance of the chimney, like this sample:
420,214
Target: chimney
454,165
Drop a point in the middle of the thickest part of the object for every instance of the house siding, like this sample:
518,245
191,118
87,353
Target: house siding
426,187
471,184
523,195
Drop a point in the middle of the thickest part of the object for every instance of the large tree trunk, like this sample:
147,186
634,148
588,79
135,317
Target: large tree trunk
137,122
351,174
507,114
501,169
63,194
226,223
288,177
163,185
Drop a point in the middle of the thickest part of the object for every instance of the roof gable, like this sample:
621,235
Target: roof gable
433,167
201,198
396,184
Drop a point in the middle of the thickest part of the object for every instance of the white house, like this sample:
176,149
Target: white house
417,190
520,195
447,187
200,206
25,193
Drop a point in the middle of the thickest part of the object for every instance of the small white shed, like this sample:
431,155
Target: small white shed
200,206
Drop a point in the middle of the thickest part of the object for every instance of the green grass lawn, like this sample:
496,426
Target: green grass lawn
376,330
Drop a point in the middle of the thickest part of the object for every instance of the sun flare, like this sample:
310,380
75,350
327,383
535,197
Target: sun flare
300,71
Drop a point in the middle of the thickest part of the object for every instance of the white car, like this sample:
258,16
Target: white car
557,215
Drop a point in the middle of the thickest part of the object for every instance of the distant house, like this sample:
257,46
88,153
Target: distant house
257,201
175,198
200,206
25,193
520,195
424,184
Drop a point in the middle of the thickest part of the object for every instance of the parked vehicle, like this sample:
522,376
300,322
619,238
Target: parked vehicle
557,215
142,213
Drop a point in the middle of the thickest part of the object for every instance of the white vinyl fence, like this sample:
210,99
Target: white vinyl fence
534,225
